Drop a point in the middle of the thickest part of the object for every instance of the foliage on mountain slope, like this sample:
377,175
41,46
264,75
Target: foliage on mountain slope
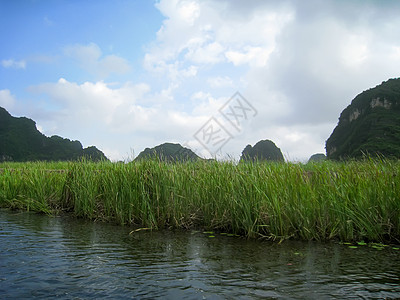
370,125
21,141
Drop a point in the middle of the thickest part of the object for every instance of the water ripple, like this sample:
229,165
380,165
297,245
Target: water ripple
74,259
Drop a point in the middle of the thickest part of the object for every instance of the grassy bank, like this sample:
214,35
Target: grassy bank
349,201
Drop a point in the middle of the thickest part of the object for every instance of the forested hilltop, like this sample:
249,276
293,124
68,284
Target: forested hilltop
21,141
370,125
263,150
168,152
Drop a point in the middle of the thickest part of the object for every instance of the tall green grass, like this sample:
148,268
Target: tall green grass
32,186
356,200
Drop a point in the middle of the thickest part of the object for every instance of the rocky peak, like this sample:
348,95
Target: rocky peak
369,125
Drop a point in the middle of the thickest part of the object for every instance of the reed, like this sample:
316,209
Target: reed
32,186
356,200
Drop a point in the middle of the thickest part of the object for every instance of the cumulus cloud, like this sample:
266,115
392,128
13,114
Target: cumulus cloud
121,119
196,33
254,56
92,101
299,63
7,100
117,119
220,81
323,59
15,64
90,58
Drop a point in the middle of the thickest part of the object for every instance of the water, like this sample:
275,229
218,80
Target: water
49,257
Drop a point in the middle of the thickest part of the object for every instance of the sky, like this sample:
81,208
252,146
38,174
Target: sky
213,76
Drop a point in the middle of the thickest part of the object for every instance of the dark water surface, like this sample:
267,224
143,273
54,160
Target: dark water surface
61,257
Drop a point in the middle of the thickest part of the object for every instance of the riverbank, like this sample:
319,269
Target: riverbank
350,201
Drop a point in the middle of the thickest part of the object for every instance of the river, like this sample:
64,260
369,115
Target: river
68,258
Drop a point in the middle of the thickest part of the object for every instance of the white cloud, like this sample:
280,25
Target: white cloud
355,50
113,64
395,53
7,100
254,56
220,81
298,63
196,32
185,12
205,104
119,119
15,64
90,58
116,119
92,101
90,52
206,53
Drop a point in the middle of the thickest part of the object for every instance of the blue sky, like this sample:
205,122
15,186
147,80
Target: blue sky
125,75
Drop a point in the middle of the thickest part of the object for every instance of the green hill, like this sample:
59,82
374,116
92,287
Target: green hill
21,141
263,150
369,125
168,152
317,157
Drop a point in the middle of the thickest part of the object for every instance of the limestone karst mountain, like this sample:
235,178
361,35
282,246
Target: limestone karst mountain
168,152
263,150
317,157
370,125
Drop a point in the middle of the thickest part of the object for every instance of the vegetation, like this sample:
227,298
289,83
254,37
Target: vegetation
370,125
317,157
21,141
350,201
168,152
263,150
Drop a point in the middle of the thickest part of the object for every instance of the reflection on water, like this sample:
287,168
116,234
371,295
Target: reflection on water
50,257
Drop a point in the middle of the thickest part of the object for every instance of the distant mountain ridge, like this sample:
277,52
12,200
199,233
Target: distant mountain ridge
21,141
168,152
369,125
